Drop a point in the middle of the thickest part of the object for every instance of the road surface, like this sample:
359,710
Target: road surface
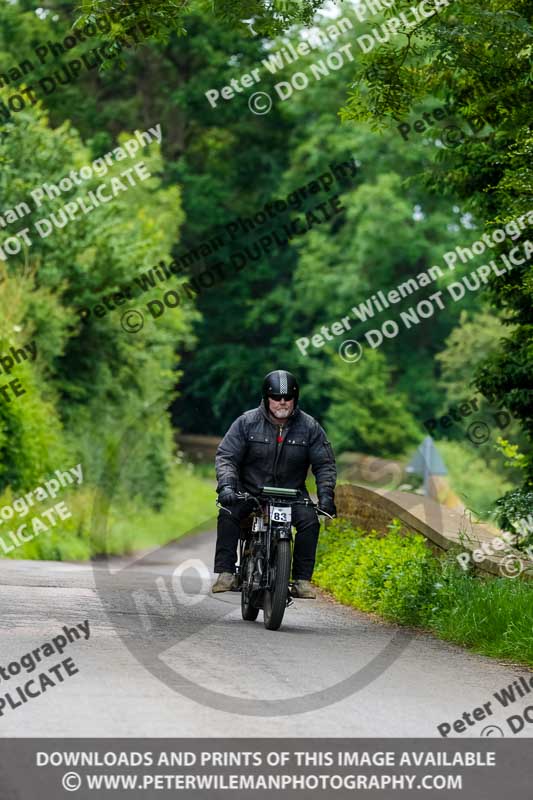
149,670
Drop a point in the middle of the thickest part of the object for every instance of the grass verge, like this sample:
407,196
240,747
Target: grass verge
130,524
399,578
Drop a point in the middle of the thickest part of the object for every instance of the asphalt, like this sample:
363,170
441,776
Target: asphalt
167,658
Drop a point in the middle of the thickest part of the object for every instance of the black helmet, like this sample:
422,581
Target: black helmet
280,382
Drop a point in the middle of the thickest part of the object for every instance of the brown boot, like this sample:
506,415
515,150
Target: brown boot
304,590
224,582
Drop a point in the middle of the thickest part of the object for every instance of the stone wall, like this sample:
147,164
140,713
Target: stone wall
442,527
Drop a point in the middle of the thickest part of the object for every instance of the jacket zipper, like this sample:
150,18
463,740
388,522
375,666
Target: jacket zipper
278,451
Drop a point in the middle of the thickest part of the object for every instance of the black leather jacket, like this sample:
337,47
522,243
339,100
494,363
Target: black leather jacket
249,456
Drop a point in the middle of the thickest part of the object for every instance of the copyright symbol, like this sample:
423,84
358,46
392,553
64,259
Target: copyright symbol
511,566
71,781
345,351
478,433
492,730
260,103
452,136
132,321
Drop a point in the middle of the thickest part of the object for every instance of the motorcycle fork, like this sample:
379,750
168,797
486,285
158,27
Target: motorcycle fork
246,546
280,534
262,545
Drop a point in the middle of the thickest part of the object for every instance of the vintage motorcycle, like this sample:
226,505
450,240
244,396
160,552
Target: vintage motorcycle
265,554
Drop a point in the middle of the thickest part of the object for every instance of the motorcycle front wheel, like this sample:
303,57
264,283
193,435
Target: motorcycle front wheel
249,612
275,601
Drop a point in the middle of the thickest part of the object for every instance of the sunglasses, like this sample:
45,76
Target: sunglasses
278,397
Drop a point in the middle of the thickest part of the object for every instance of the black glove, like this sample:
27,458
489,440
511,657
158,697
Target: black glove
228,496
327,504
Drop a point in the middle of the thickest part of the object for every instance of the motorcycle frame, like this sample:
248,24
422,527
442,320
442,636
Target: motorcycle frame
265,537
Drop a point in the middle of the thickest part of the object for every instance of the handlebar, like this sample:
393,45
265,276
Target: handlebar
244,496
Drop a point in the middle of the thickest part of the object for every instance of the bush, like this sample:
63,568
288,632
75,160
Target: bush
398,577
514,513
391,575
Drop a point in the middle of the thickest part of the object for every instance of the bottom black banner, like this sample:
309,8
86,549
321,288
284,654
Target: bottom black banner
477,769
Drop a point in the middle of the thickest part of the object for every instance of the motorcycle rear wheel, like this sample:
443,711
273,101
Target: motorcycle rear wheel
275,602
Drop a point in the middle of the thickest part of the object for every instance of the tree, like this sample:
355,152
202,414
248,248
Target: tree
162,17
475,337
364,414
225,163
90,376
475,57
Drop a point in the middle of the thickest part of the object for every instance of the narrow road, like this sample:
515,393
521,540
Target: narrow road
166,658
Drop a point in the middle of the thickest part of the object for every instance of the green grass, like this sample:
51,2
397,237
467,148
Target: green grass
490,615
398,577
206,470
122,527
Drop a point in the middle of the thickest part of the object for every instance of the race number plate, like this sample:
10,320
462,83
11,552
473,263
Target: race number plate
280,513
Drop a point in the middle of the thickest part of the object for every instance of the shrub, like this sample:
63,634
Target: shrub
514,513
391,574
398,577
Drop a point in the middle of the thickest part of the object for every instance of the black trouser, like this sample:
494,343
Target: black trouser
304,519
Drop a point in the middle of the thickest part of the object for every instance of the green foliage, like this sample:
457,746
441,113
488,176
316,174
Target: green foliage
476,57
474,338
162,15
91,380
478,474
479,484
31,434
166,16
130,525
365,413
397,577
392,575
90,377
513,512
517,459
390,230
490,615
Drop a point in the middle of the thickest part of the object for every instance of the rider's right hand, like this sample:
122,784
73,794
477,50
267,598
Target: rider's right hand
228,496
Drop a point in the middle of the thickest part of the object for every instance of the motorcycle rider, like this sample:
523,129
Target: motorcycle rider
273,445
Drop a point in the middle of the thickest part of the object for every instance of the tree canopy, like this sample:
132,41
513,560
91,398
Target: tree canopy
434,121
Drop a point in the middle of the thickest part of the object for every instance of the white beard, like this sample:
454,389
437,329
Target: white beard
281,413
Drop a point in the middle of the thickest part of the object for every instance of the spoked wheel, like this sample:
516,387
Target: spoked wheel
249,612
275,601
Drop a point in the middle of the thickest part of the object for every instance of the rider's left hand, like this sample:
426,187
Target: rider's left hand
327,504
